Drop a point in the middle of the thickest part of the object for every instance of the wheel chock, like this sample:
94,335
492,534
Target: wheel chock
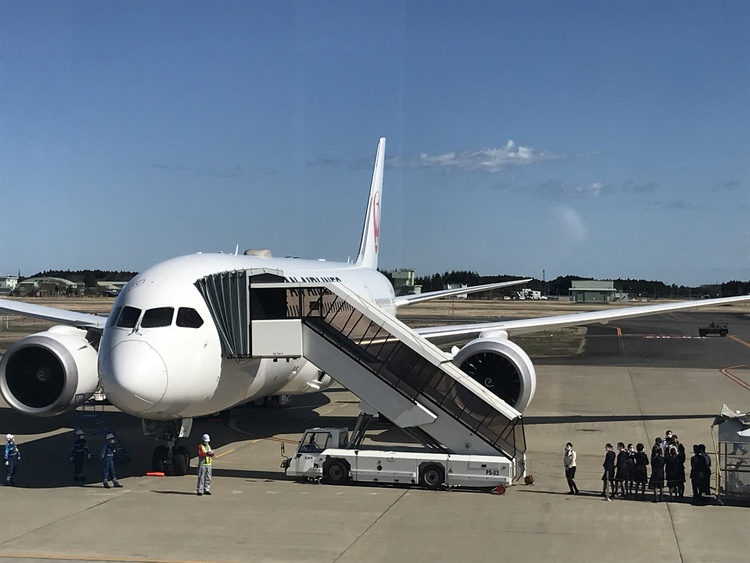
155,474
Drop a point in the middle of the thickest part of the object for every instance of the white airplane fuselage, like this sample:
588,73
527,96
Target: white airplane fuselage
155,363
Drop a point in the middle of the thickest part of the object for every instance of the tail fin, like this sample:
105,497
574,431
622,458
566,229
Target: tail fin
370,243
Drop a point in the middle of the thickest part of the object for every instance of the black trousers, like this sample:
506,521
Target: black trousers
570,474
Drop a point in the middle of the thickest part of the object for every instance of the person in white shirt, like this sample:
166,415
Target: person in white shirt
569,462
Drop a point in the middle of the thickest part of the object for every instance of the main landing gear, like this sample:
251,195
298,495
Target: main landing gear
169,459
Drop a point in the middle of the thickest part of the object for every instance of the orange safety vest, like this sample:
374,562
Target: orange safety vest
204,459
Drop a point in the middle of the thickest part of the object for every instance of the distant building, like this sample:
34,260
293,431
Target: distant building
403,282
47,286
106,288
457,286
8,284
591,291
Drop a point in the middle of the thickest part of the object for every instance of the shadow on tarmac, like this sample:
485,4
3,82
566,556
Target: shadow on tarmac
527,420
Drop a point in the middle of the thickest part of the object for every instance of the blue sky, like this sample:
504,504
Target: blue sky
600,139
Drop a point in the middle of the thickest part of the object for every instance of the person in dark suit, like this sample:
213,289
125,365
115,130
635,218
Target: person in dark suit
621,469
657,475
609,471
698,472
640,474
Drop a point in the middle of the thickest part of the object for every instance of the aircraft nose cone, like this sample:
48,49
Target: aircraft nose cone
134,377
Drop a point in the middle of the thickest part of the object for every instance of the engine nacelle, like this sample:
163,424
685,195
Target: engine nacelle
502,367
305,379
42,373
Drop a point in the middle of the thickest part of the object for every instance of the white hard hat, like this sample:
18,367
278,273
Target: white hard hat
9,437
206,438
79,432
110,436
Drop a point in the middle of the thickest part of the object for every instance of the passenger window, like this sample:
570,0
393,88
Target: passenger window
112,319
189,318
128,317
154,318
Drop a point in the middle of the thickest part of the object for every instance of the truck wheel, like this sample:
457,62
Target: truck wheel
336,472
702,333
723,333
432,477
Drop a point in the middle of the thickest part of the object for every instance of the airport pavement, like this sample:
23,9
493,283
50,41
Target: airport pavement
256,514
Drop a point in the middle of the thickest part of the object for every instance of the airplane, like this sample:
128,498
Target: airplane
158,354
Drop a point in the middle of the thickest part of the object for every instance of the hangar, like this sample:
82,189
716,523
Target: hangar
593,291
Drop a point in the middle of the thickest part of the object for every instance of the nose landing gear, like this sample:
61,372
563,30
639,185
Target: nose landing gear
169,459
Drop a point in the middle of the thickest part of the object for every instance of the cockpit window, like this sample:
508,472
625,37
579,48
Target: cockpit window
113,315
161,316
189,318
128,317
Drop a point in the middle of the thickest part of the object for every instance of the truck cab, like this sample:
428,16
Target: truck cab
306,462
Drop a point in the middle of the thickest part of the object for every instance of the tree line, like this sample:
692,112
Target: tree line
89,278
651,289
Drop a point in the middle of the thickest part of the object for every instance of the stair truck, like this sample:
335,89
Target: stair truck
331,456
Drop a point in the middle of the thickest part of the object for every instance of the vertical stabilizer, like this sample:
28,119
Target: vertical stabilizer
370,244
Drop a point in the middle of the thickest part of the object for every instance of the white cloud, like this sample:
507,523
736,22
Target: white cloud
569,223
488,160
556,190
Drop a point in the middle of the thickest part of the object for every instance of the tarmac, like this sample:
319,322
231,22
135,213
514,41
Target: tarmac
630,389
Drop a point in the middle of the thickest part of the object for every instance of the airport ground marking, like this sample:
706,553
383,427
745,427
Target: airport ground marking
620,341
224,453
101,559
737,339
333,408
734,378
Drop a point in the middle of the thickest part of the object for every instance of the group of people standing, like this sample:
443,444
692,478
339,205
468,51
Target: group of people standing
626,471
80,453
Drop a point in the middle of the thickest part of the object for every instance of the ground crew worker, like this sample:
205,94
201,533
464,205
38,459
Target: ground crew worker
205,456
78,455
107,455
12,457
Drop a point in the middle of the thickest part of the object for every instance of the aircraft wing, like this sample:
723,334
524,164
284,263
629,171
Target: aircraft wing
71,318
455,333
420,297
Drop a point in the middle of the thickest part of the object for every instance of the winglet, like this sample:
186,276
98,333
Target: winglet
370,243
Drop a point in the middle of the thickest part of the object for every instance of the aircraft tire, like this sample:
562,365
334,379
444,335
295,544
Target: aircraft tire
159,459
181,461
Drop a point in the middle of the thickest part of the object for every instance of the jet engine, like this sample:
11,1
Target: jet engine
305,378
502,367
44,374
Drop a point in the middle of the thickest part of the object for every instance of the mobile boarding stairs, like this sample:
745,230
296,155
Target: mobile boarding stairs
393,370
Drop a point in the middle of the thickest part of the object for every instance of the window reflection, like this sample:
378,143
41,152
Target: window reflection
189,318
128,317
154,318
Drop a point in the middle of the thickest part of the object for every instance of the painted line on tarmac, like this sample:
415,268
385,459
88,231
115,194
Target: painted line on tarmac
224,453
333,408
737,339
734,378
619,340
37,557
257,437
